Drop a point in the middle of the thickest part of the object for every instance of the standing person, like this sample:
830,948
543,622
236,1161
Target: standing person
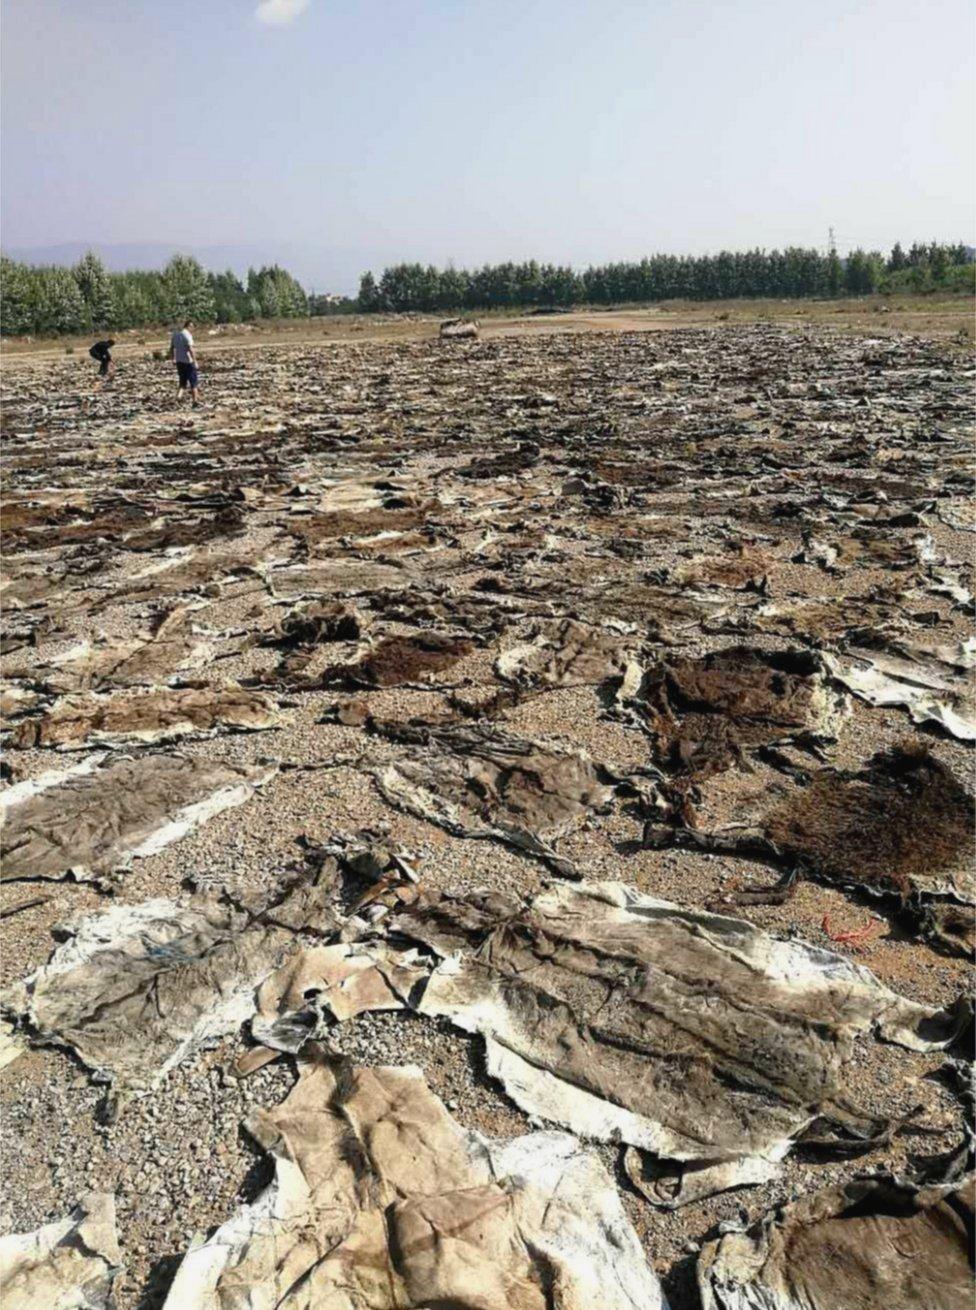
102,352
181,350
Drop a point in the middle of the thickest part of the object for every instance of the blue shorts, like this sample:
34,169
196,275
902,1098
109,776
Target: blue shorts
188,375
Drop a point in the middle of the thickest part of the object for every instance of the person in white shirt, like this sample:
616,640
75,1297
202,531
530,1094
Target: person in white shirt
181,350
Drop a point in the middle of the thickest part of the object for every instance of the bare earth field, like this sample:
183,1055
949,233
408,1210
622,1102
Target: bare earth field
582,715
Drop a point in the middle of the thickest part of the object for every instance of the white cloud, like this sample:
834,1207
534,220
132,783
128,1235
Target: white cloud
275,13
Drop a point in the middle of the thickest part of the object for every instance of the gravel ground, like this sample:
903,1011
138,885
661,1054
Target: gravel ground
277,439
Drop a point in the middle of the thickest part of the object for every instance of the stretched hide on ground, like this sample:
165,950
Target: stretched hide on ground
380,1201
903,822
70,1264
139,988
146,717
566,654
876,1243
483,783
141,661
321,984
695,1037
97,817
706,712
930,695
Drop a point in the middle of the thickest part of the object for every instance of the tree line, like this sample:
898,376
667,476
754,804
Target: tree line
779,274
46,300
49,300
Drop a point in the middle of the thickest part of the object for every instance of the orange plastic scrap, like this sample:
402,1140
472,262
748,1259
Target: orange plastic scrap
856,938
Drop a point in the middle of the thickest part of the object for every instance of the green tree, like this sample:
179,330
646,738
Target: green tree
230,298
453,289
97,291
60,305
187,291
835,274
133,308
918,256
18,299
863,272
369,296
939,263
276,293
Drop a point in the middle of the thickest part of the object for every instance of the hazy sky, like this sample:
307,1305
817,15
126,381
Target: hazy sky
344,134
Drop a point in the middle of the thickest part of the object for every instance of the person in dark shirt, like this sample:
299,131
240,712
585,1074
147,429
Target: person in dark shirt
102,351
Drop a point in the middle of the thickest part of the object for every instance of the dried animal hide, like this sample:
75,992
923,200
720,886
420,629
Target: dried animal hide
70,1264
324,984
380,1201
903,823
928,695
398,661
763,694
945,582
23,517
817,619
15,701
745,567
134,527
953,654
95,818
695,1037
875,1243
336,578
454,329
11,1048
137,989
146,717
567,654
166,534
482,783
705,713
901,827
356,529
190,569
316,622
25,585
144,661
486,612
867,548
